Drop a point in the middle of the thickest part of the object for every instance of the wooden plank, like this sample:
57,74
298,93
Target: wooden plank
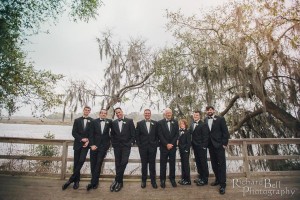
28,188
245,160
293,173
33,141
266,141
274,157
64,160
24,157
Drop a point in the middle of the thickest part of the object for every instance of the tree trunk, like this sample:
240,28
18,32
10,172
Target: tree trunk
286,118
64,112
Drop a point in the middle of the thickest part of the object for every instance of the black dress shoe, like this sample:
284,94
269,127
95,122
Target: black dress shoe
89,186
76,185
196,180
66,185
143,184
113,186
174,184
162,183
154,185
201,182
215,183
185,182
95,186
181,181
222,190
118,187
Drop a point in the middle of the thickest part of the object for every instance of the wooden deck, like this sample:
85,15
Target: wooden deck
26,187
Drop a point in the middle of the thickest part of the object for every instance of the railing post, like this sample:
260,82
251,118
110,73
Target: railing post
245,159
64,157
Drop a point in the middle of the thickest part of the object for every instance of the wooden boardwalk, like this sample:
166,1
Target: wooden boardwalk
31,188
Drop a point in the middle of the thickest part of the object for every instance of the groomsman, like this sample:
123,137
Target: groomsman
122,138
147,141
217,143
80,133
99,143
199,132
168,135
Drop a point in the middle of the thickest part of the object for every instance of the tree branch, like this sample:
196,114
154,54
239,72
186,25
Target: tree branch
246,118
232,101
134,84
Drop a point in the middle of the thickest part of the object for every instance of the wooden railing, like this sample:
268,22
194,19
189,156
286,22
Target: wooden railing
243,143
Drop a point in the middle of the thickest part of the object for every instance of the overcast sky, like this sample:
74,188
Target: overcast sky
71,49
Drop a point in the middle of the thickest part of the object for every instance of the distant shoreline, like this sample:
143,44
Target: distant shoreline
29,120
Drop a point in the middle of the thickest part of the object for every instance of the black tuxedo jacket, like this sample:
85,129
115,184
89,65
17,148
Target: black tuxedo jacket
145,139
200,134
127,135
165,136
184,140
79,132
218,134
99,138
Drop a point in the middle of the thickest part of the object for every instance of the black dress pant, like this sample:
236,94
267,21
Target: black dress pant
218,163
121,160
79,159
185,164
201,161
148,157
166,154
97,158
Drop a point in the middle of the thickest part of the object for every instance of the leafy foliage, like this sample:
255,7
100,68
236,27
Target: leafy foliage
47,150
129,71
244,59
76,94
19,82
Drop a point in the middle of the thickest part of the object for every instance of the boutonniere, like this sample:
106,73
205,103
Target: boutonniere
106,122
214,118
172,122
152,123
124,122
181,132
88,121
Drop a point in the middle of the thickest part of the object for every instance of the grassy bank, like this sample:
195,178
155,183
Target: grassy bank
32,120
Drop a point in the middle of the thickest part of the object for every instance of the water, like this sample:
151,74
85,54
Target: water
35,131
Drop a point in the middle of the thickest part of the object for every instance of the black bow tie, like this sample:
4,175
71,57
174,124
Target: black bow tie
148,120
181,130
209,117
101,120
84,117
168,121
195,122
120,120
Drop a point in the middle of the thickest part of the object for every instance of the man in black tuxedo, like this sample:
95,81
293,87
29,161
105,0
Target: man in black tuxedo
99,143
147,141
199,132
217,143
122,138
80,132
168,134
